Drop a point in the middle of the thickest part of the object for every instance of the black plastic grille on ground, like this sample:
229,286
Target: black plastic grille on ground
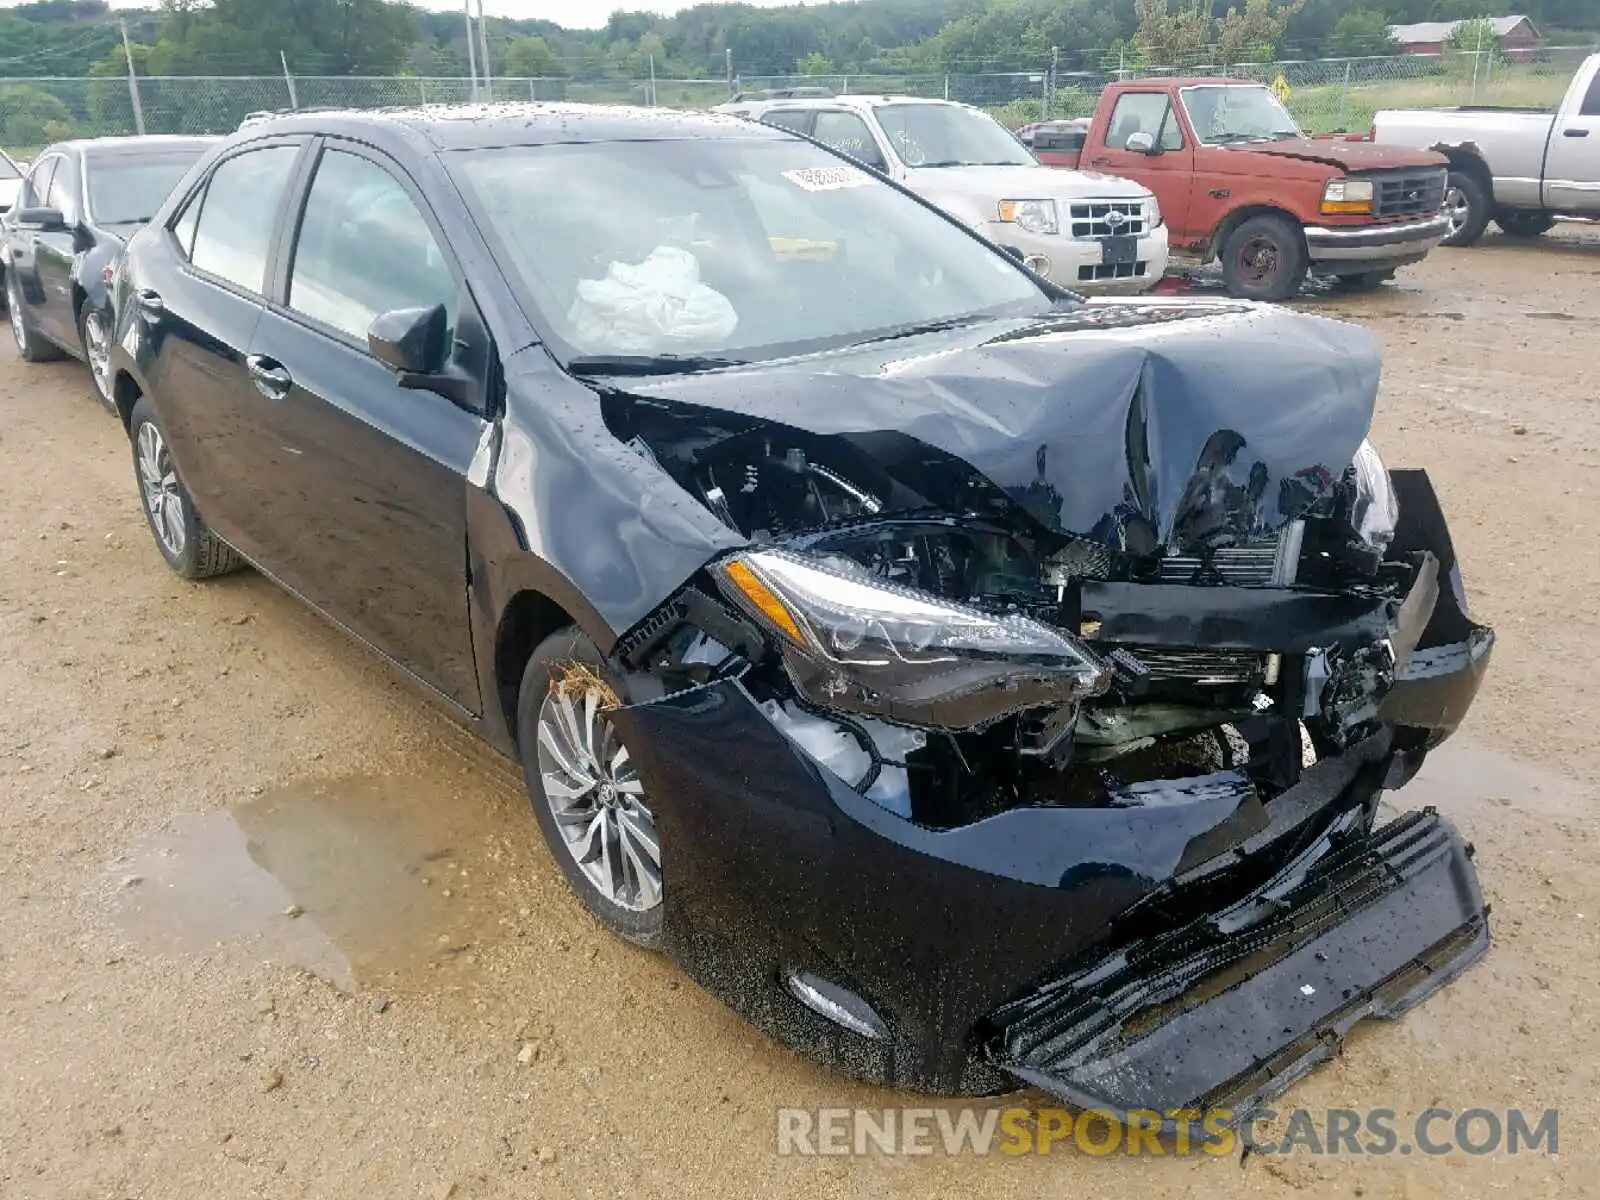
1231,1009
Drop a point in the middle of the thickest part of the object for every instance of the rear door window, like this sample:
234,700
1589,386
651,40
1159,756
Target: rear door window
233,238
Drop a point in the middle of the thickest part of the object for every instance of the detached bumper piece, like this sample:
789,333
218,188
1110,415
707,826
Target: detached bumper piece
1229,1011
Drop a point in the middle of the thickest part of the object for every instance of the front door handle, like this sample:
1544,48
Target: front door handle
272,380
1574,133
149,302
1101,161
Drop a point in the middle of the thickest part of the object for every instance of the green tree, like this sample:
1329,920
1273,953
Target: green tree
532,57
815,64
1361,31
31,118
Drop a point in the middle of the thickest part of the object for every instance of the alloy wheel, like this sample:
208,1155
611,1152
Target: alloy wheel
158,480
97,349
1457,208
597,798
19,332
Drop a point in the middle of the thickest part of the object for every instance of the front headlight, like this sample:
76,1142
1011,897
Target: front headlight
1152,212
1375,511
1347,196
1032,216
855,643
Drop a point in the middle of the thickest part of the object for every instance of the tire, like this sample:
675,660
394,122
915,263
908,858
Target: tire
30,346
1264,259
1521,223
97,353
1466,203
189,547
606,830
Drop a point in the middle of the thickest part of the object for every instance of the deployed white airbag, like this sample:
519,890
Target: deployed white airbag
650,307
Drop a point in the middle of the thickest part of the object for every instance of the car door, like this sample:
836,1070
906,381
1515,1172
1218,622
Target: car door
22,240
368,520
1167,169
1572,164
849,134
53,253
196,298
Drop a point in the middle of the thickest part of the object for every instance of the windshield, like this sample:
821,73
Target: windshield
727,248
1224,114
127,189
948,135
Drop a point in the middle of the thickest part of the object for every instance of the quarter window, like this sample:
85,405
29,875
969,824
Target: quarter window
364,250
63,193
848,134
183,228
234,231
1144,112
792,118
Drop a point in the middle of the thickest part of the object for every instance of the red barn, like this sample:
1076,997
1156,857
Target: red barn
1518,37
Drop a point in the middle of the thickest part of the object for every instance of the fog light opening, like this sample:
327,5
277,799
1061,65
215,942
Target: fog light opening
839,1005
1037,263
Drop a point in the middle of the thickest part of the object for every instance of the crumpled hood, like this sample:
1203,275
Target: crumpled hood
1035,182
1348,156
1139,424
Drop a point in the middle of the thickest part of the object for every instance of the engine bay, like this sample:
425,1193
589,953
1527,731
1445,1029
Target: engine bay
1173,705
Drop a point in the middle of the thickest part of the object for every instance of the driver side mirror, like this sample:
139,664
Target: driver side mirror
40,220
411,341
1142,143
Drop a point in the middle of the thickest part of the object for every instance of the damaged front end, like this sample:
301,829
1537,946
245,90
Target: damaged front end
970,787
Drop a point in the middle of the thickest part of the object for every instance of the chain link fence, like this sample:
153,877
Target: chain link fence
1325,95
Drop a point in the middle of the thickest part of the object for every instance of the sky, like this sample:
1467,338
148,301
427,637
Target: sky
574,14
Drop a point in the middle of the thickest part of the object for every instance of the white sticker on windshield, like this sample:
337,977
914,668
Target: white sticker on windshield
828,179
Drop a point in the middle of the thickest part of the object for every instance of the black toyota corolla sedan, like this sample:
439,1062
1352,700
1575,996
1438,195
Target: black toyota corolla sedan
967,683
80,202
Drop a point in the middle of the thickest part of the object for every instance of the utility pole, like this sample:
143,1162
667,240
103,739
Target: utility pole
294,100
483,55
472,50
133,83
728,59
652,80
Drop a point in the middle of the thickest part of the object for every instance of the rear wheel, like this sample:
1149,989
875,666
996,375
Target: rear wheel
30,346
1466,206
1264,259
1522,223
587,795
189,547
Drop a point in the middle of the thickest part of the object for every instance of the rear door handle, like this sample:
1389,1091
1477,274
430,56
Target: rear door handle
149,302
1574,133
272,380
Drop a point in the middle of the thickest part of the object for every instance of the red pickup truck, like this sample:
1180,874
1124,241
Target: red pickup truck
1238,181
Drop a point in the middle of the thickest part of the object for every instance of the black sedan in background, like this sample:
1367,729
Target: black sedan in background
78,205
969,684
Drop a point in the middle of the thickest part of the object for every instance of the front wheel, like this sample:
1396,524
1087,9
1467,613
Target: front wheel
1523,224
587,795
94,331
189,547
1264,259
1466,207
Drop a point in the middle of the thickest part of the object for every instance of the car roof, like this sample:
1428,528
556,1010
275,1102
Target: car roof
483,126
853,100
133,143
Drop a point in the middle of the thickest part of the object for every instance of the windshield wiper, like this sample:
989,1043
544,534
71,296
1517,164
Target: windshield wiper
647,364
904,331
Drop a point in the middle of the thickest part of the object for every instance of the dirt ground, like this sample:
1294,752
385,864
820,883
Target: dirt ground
184,768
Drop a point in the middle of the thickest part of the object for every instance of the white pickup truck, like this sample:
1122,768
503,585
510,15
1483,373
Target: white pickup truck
1524,168
1088,232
